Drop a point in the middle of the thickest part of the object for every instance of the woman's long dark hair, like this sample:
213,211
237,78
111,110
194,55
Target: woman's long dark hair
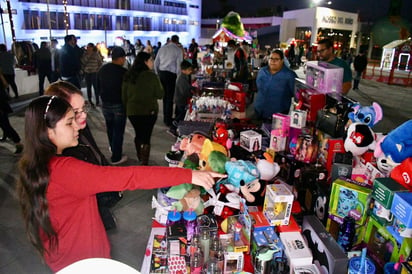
138,66
41,114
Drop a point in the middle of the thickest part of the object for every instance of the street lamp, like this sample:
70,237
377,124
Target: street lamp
217,24
319,2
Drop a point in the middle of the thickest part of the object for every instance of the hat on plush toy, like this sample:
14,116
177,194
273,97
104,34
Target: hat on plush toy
403,173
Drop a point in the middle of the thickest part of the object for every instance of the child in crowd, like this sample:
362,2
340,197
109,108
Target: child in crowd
183,93
57,194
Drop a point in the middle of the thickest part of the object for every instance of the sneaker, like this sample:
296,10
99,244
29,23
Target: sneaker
172,132
121,161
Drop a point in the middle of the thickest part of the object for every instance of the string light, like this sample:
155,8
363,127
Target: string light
66,17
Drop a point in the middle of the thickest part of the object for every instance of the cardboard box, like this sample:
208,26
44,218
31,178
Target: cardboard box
327,150
402,207
309,99
278,204
233,262
298,118
324,77
277,142
281,124
324,248
296,250
250,140
306,269
350,199
384,190
259,221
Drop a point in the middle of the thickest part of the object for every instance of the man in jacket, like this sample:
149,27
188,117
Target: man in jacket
359,64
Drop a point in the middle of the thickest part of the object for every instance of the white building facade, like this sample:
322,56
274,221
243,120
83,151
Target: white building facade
101,20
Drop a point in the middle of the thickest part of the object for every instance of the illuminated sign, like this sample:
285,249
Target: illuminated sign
331,19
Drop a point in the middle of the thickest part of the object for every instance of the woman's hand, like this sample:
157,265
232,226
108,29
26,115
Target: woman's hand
205,178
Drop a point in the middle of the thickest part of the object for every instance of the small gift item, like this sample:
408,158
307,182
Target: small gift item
177,264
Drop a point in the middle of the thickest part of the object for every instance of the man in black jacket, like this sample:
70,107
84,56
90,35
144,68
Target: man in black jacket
70,64
42,63
359,64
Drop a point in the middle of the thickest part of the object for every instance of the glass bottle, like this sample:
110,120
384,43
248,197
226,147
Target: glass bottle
196,262
205,243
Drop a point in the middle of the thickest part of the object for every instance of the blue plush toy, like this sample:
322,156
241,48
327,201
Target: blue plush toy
241,170
368,115
397,145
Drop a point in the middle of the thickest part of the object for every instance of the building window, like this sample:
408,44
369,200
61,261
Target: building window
194,23
153,2
122,23
194,6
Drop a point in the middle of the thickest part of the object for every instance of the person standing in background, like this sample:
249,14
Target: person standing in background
167,66
139,47
148,48
193,51
360,64
141,89
7,63
42,63
325,53
109,85
55,74
70,63
275,87
5,110
91,63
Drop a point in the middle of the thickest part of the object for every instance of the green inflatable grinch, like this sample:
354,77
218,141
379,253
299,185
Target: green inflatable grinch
233,24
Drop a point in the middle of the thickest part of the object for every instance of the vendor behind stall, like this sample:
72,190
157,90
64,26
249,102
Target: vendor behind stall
241,63
275,87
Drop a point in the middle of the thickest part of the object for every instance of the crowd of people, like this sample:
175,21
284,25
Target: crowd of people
60,156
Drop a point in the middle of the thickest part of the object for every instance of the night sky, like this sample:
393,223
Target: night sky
368,9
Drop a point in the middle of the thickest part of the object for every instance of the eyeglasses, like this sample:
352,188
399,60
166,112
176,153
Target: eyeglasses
275,59
85,109
48,106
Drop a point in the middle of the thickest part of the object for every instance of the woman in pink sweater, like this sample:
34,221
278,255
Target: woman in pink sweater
58,194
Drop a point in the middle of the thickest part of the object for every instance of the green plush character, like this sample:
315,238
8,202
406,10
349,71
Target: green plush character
233,24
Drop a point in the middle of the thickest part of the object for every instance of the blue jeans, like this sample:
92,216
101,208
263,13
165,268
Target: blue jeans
115,117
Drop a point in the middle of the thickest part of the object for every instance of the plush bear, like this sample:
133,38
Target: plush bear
368,115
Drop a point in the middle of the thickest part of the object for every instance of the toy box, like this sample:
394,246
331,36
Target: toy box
382,245
304,269
277,142
383,191
342,165
347,198
278,204
306,149
325,250
324,77
267,238
233,262
401,209
309,99
250,140
298,118
327,150
259,221
281,124
317,200
296,249
291,227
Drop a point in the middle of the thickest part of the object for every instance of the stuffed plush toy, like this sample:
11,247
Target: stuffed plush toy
213,157
403,173
254,192
359,139
187,198
267,169
397,145
240,170
369,115
192,144
225,202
